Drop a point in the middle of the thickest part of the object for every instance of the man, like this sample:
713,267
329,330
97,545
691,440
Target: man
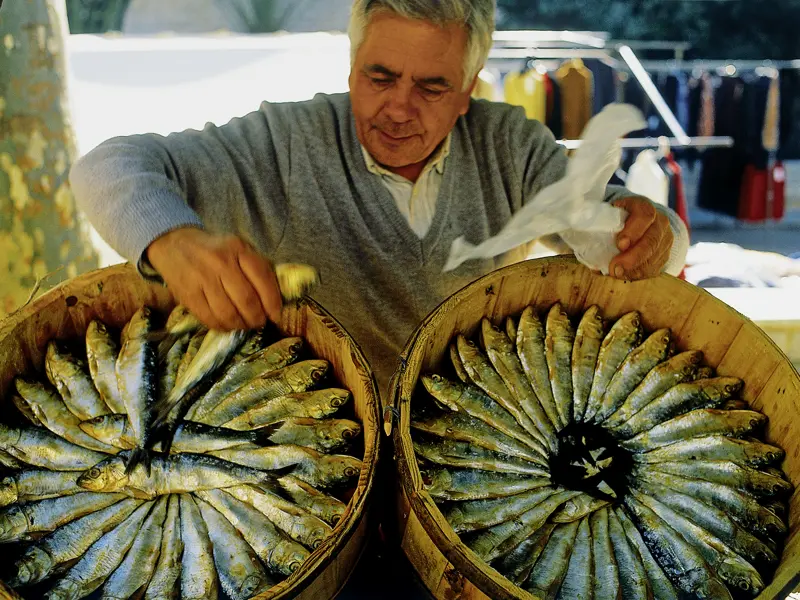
370,187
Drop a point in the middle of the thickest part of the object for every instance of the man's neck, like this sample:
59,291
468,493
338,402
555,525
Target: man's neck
410,172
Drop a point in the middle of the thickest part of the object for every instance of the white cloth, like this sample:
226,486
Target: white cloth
647,178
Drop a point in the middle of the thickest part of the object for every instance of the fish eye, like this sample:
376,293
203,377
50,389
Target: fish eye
317,375
94,472
317,542
348,433
351,472
294,565
335,519
338,401
295,347
449,431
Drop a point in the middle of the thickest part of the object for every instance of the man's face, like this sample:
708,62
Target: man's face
406,87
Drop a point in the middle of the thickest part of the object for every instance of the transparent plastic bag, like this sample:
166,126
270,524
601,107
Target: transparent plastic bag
573,207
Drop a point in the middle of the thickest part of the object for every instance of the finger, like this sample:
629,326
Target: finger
244,298
198,306
641,215
652,267
261,276
624,265
223,307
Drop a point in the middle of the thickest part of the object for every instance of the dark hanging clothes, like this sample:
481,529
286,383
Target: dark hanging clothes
789,147
605,84
555,119
754,110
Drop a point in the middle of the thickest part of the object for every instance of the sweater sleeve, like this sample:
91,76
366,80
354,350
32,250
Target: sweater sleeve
541,161
226,179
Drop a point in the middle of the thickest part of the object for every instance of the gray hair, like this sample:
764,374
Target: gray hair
477,16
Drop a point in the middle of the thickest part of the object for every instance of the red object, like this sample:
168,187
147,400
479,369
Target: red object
777,206
681,207
753,195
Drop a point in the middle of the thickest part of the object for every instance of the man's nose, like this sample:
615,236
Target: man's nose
399,106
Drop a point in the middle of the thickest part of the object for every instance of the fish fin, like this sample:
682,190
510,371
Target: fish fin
261,435
138,456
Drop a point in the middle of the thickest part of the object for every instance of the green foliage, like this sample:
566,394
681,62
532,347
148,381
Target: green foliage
724,29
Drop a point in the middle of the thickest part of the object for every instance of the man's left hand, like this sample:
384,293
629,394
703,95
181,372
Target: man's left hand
644,243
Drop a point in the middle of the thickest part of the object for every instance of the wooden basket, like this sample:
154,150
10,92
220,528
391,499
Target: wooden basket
114,294
731,343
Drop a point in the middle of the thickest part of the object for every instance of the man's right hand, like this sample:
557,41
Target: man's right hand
221,279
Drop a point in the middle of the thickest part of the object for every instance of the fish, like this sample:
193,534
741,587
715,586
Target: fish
659,583
684,397
623,337
169,368
102,351
588,338
579,581
462,427
517,564
255,341
180,325
683,564
705,372
199,579
473,401
296,280
558,342
643,359
165,583
30,485
458,366
25,522
133,574
678,369
39,447
300,525
292,379
697,423
444,483
280,554
604,561
578,508
715,447
714,520
189,436
172,474
100,560
137,379
215,350
322,435
474,515
70,377
483,374
511,329
742,508
632,575
735,404
52,413
277,356
25,410
241,574
319,470
501,539
51,554
502,354
551,568
321,505
729,566
739,477
195,342
463,454
9,462
531,350
316,404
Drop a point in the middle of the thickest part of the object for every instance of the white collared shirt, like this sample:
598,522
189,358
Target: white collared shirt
416,201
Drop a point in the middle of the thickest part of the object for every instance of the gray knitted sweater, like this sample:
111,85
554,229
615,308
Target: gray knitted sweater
292,180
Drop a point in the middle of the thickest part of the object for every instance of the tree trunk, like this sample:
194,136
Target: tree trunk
40,229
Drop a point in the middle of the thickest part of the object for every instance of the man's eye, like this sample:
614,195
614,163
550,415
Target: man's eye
430,94
380,82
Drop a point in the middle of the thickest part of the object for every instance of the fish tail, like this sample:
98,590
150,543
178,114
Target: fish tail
261,436
138,456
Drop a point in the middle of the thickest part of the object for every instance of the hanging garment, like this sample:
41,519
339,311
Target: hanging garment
707,110
695,96
529,91
486,87
648,179
577,92
677,192
554,112
777,175
770,134
789,143
753,118
605,88
753,197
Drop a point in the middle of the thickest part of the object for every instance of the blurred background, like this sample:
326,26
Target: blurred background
719,82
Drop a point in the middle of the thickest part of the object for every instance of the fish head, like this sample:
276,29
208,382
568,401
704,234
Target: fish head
106,476
65,589
288,557
443,390
34,566
286,348
105,428
348,430
140,324
252,585
27,410
337,398
13,523
344,467
176,316
746,581
8,491
59,363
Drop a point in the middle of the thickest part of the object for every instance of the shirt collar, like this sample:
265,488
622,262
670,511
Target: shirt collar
436,161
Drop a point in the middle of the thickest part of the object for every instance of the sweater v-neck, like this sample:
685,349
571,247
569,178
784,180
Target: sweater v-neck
425,247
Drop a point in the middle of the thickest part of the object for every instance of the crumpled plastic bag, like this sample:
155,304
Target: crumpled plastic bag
573,207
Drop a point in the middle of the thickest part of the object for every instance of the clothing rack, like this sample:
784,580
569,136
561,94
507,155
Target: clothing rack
728,66
511,47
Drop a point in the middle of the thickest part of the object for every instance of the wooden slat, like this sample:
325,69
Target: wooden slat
710,329
426,558
752,357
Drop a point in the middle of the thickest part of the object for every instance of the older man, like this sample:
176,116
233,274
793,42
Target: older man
371,187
